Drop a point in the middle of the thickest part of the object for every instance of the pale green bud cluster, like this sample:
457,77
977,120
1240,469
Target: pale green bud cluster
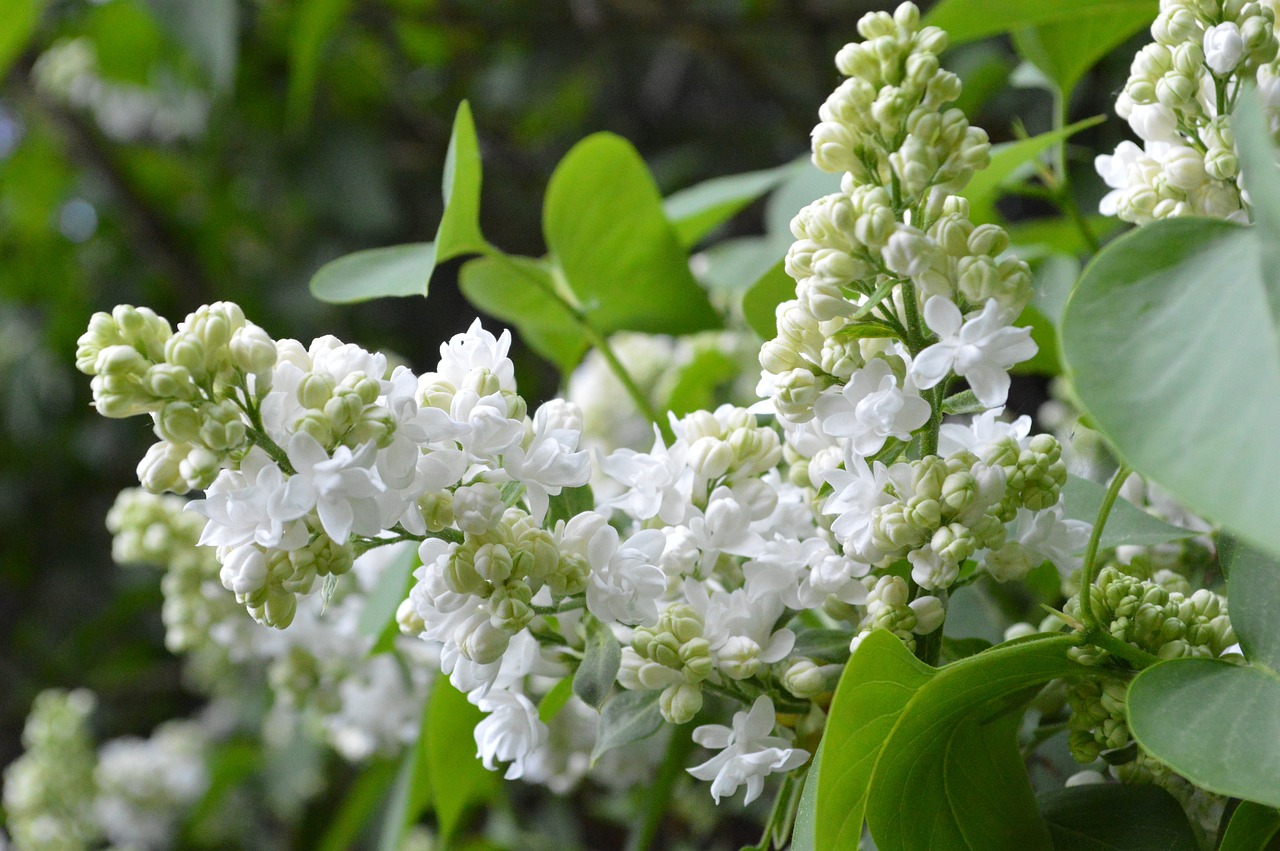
729,445
504,564
296,677
963,262
192,381
886,125
1167,624
1144,613
269,582
1098,725
673,656
49,790
343,413
947,509
155,530
889,606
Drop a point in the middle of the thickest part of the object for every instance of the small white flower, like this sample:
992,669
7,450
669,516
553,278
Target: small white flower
655,483
551,462
625,581
871,408
1223,48
509,733
749,752
236,506
981,349
342,488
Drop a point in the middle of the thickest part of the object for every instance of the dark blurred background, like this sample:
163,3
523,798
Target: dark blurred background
175,152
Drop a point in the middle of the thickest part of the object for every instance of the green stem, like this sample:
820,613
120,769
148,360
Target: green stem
642,403
1094,632
1089,570
567,605
594,336
258,437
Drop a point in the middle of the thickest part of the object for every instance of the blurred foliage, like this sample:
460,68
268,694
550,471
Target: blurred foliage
175,152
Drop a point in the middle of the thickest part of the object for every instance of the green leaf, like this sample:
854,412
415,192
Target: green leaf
459,781
954,752
696,386
1253,591
397,270
1065,50
1006,159
569,503
459,229
314,24
700,209
378,617
760,304
601,658
1216,723
411,791
1258,165
1059,236
1253,827
627,717
964,402
405,270
1178,363
966,20
823,645
865,329
518,291
912,748
358,805
553,701
620,257
209,30
803,833
1046,359
1109,817
879,681
20,20
1127,525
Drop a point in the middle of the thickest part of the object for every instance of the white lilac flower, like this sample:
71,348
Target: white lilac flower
625,581
739,628
655,483
981,349
477,349
1051,536
341,488
748,752
236,506
870,408
551,462
724,527
857,492
415,428
983,430
1223,47
510,732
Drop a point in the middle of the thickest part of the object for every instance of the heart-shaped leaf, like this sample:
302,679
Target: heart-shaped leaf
1253,827
1178,362
929,756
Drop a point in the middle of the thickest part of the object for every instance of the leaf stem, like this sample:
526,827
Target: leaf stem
258,436
1089,570
593,335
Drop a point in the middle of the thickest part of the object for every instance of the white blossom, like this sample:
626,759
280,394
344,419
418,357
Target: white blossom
870,408
748,752
981,349
341,488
